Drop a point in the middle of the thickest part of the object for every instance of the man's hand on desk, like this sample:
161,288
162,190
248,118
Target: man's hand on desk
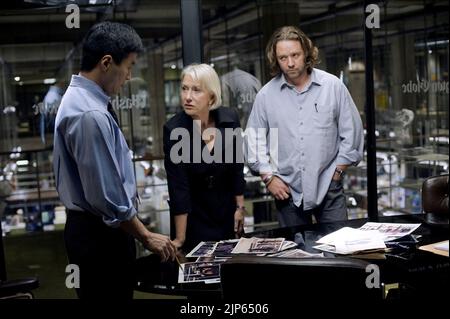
161,245
278,188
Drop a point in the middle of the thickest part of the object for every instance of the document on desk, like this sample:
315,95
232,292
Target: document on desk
349,240
390,231
440,248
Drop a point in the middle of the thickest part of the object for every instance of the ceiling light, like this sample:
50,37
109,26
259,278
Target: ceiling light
49,81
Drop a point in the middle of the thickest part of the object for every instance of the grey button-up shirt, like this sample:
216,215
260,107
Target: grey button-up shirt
91,159
318,128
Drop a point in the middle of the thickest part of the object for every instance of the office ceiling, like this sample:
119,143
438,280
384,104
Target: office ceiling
34,41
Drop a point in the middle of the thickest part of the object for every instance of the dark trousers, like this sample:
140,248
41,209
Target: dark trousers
333,208
104,255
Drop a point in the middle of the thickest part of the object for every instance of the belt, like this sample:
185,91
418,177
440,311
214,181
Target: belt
83,214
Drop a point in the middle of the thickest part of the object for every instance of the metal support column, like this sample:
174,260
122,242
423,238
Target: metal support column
191,25
371,147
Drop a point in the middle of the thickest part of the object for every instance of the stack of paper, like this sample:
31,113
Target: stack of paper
350,241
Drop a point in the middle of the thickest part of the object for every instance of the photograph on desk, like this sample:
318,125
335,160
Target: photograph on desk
208,272
391,231
256,245
225,247
203,249
221,248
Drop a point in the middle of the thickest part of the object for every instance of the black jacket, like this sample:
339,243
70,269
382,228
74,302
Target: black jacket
206,191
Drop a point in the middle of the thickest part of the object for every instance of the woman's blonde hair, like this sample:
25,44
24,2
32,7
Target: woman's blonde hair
208,79
291,33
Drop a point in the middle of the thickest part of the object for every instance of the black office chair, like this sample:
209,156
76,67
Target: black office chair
435,199
305,280
14,289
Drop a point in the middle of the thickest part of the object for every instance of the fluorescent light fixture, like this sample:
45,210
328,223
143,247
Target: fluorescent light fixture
439,139
22,163
431,43
49,81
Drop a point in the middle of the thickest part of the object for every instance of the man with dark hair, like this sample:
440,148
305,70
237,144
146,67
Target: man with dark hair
318,132
94,172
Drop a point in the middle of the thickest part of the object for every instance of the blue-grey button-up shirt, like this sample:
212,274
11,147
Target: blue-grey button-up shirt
91,159
318,128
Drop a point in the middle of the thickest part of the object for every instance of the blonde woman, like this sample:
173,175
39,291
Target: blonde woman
204,169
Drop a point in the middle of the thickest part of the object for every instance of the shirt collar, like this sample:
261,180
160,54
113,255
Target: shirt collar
91,86
315,79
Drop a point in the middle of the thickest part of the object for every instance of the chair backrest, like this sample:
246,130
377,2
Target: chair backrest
14,289
435,198
305,279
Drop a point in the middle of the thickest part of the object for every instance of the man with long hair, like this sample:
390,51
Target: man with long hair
319,132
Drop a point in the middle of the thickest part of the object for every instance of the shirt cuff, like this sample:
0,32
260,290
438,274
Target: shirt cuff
115,222
352,158
265,168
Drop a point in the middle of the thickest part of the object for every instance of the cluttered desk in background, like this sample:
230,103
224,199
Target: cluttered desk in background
414,273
